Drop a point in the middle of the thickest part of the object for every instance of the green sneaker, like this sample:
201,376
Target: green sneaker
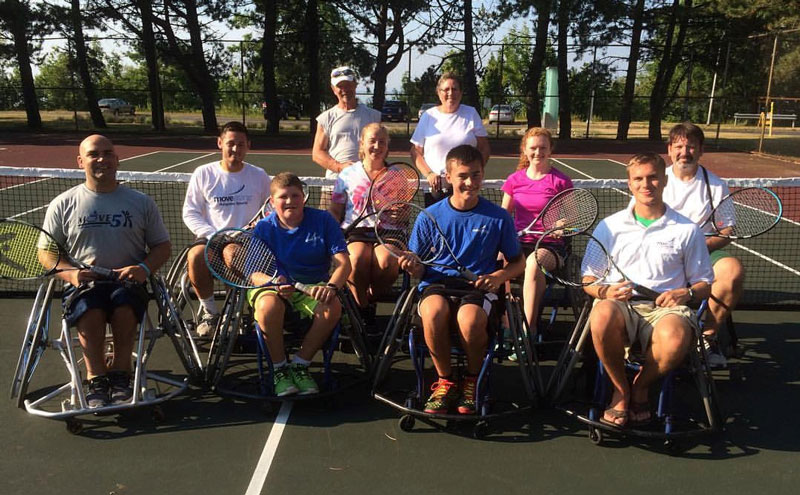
466,404
283,383
302,380
443,397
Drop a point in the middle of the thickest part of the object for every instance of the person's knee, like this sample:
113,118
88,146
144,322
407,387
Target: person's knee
728,272
267,307
672,335
605,317
330,311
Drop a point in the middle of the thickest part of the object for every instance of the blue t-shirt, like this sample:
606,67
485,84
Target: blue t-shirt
304,253
475,235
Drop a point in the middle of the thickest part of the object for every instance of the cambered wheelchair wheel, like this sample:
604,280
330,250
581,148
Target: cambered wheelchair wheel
393,336
172,324
525,351
34,342
225,336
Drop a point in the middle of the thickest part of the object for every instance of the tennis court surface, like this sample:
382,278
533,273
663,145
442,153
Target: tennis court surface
209,444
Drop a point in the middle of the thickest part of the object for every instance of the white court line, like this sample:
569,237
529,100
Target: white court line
268,454
573,168
184,162
139,156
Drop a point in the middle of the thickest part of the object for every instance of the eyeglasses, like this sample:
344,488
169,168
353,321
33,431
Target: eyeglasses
343,72
452,90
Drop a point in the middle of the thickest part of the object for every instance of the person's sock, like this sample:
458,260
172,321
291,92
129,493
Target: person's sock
209,305
280,365
300,361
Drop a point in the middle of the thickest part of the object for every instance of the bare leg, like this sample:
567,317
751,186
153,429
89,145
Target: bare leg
534,286
269,312
609,336
385,270
725,292
326,316
472,321
359,278
435,313
199,275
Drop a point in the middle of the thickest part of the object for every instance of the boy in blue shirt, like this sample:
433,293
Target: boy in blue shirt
477,230
305,241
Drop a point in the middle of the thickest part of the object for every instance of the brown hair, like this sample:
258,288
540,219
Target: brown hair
532,132
284,180
234,126
642,158
463,154
688,131
449,75
378,127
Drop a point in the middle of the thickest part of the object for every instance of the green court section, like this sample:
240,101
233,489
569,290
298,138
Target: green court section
208,444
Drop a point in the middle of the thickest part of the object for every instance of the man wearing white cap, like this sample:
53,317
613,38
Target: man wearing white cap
336,142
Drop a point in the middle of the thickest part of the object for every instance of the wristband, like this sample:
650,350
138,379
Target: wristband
691,294
332,286
146,269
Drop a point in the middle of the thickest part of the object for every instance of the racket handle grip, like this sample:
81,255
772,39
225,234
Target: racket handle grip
467,274
104,272
302,288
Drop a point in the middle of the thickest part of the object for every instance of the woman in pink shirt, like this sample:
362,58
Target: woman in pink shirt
525,194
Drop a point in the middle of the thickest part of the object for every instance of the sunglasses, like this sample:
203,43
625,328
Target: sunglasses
343,72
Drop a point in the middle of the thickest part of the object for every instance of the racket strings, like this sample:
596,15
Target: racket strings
398,183
748,212
575,211
237,257
25,251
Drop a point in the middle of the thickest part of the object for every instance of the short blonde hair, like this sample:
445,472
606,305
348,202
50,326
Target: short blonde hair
374,126
642,158
284,180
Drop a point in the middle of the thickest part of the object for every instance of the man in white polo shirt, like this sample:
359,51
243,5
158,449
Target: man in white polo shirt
339,127
693,191
221,194
662,250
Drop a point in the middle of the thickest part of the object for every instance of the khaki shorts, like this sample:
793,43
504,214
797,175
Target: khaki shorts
642,316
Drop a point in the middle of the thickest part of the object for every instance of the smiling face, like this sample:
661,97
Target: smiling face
647,181
685,153
537,151
100,162
374,144
234,146
466,179
345,92
288,203
449,95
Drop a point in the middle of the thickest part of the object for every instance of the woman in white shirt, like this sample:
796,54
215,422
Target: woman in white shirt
441,129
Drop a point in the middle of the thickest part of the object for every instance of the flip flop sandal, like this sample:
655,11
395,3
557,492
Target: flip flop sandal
640,408
615,414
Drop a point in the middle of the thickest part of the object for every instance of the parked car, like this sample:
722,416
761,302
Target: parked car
288,108
396,110
501,113
116,106
424,108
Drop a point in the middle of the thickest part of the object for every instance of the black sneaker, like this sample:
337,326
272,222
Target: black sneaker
97,394
120,383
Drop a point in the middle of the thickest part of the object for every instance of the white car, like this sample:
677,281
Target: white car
116,106
501,113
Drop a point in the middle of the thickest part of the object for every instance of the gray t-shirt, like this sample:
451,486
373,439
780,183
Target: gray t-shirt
111,230
343,128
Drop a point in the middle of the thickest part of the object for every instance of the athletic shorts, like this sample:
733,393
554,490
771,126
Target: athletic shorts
718,254
105,295
458,294
299,302
559,250
642,316
367,234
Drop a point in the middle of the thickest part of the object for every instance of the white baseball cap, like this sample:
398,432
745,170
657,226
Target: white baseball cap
343,73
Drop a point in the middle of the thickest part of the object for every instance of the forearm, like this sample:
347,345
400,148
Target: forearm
417,157
326,161
341,270
713,243
158,255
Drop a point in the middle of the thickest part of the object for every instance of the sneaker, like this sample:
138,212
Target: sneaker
120,383
716,359
97,394
302,380
466,404
282,382
207,325
443,397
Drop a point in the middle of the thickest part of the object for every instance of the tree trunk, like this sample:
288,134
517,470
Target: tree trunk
203,81
624,123
19,25
471,96
311,42
564,100
83,67
666,67
151,59
533,102
380,72
268,66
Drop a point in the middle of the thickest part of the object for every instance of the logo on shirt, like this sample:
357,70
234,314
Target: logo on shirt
233,198
483,229
95,219
313,238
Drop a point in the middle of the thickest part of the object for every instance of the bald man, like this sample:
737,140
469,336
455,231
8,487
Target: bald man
106,224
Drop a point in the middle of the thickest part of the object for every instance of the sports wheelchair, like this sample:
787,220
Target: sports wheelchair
239,364
670,424
67,401
404,338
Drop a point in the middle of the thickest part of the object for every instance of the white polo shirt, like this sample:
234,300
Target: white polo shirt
691,199
669,254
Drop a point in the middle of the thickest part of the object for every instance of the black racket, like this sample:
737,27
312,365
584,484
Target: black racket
28,252
595,260
240,259
397,182
745,213
403,227
567,213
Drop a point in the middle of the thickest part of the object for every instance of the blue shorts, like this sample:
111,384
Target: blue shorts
104,295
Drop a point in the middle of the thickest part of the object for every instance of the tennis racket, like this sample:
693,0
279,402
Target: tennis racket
426,239
240,259
567,213
398,181
28,252
596,261
745,213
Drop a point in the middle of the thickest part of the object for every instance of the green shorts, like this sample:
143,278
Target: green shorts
717,255
300,302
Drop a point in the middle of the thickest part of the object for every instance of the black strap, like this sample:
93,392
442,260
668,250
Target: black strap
708,188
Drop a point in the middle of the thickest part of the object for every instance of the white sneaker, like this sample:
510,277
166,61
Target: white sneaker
207,325
715,357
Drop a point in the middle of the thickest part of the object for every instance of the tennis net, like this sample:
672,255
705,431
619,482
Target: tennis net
772,260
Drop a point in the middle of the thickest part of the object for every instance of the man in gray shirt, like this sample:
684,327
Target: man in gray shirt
106,224
339,128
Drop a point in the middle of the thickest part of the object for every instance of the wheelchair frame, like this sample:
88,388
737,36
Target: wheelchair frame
145,383
401,329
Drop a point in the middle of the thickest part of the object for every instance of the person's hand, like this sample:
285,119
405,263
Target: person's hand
79,277
409,262
344,165
489,283
672,298
132,273
619,292
322,293
435,181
